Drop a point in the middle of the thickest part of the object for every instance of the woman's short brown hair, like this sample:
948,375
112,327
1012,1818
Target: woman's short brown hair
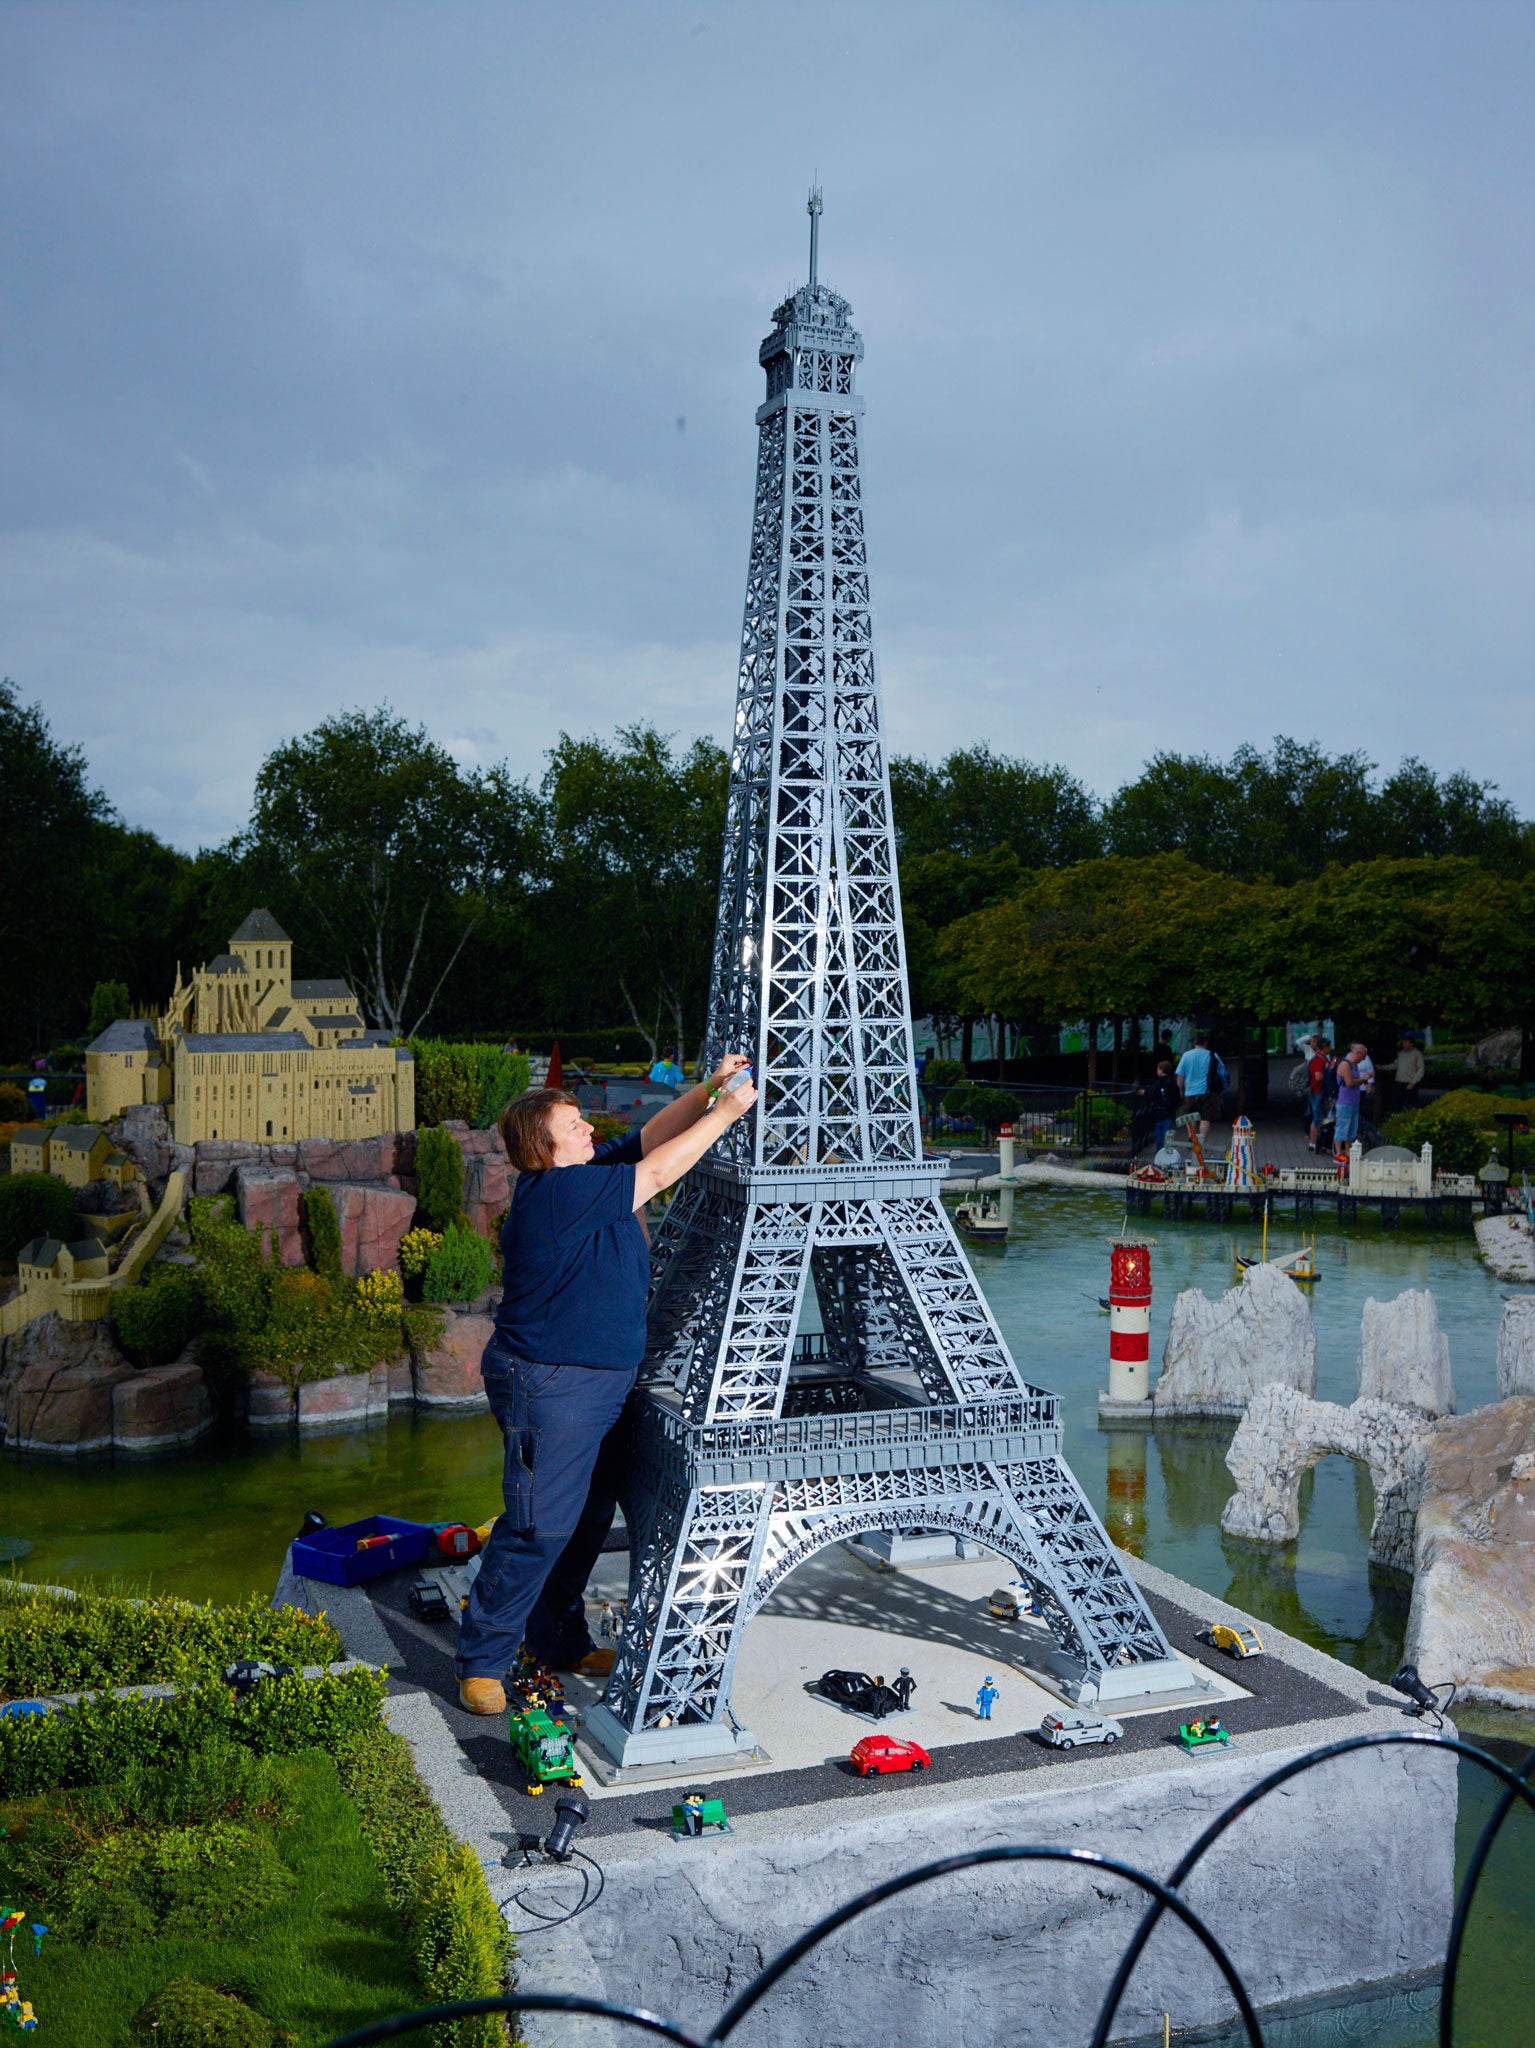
525,1127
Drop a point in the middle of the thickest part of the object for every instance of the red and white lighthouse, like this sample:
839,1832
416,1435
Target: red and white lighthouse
1129,1320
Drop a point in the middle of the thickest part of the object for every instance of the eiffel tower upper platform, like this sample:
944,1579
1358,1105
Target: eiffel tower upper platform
757,1446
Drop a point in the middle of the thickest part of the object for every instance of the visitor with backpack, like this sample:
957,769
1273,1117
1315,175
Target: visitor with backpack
1202,1082
1318,1065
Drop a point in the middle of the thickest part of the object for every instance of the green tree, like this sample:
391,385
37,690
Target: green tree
439,1179
34,1205
109,1001
321,1230
632,880
391,852
975,801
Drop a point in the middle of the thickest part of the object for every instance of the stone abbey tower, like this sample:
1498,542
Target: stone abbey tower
757,1445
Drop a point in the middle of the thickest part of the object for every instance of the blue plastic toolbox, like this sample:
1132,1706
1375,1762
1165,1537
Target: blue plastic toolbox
332,1554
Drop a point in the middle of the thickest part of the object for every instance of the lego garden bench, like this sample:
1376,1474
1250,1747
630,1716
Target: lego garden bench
692,1815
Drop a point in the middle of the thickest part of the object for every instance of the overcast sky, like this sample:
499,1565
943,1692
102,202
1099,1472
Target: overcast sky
407,352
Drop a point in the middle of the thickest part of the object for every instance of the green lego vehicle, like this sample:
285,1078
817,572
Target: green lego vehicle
544,1749
1200,1734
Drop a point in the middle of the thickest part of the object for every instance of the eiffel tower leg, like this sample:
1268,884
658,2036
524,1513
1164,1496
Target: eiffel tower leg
668,1700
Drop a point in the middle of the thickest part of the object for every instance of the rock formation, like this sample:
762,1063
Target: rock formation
1516,1348
1473,1603
1404,1356
67,1391
1281,1437
1220,1354
349,1401
144,1133
269,1195
448,1376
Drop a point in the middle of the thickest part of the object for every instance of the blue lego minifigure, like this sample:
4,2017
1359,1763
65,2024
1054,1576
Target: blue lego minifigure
985,1696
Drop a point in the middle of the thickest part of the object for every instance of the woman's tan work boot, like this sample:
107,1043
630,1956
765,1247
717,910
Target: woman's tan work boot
595,1664
482,1695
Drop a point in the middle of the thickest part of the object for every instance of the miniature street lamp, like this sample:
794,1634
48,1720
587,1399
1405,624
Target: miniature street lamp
1129,1319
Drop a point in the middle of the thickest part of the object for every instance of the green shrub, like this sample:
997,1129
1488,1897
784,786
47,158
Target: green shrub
957,1102
466,1081
234,1280
439,1179
200,1881
460,1268
15,1104
35,1205
190,2015
109,1001
1459,1126
991,1107
50,1643
459,1943
221,1781
944,1074
101,1738
403,1827
321,1232
157,1321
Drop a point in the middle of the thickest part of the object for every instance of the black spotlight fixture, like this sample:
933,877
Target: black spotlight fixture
571,1812
1411,1686
313,1522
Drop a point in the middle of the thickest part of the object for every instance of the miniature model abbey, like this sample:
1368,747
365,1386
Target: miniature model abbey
248,1052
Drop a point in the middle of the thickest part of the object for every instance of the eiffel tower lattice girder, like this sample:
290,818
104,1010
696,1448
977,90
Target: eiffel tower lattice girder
822,1197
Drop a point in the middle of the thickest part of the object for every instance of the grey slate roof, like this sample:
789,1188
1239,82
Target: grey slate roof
274,1022
227,963
77,1137
88,1248
263,926
343,1020
38,1251
314,991
33,1134
246,1041
128,1034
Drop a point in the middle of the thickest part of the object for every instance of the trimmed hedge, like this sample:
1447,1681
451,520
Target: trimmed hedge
460,1267
465,1080
321,1232
1461,1129
459,1942
102,1738
51,1643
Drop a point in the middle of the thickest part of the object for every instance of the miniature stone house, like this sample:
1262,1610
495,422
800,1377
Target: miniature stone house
249,1053
74,1153
46,1259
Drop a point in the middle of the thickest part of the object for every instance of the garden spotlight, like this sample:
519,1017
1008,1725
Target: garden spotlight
1423,1701
573,1812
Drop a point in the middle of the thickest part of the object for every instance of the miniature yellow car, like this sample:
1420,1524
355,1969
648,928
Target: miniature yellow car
1236,1642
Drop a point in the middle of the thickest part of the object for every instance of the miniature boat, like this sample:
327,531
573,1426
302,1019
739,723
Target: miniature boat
981,1220
1300,1265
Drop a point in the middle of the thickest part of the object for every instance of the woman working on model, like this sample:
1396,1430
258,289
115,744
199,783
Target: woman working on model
569,1335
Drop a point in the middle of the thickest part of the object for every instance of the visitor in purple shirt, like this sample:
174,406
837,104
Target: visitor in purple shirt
1351,1085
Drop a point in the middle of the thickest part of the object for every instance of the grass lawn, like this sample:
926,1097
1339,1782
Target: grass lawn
328,1959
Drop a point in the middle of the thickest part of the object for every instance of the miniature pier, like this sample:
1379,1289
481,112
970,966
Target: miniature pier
1385,1185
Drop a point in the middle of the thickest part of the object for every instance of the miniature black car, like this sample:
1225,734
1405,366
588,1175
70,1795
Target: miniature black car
245,1675
427,1601
856,1689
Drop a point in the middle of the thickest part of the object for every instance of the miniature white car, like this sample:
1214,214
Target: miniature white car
1066,1730
1013,1601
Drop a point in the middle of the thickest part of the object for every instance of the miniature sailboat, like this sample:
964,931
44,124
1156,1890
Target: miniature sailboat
1300,1265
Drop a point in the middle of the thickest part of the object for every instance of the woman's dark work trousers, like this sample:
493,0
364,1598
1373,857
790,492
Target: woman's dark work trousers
553,1419
556,1632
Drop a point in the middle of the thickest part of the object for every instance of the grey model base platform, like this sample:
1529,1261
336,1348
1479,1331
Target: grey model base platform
1308,1891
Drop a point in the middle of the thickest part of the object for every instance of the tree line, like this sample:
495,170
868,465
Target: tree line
472,901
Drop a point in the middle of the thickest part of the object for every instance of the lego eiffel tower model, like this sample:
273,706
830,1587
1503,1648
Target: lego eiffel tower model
757,1447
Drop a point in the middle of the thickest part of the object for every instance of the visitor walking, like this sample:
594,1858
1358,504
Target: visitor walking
1316,1076
1165,1100
568,1338
1202,1082
1351,1084
666,1069
1408,1068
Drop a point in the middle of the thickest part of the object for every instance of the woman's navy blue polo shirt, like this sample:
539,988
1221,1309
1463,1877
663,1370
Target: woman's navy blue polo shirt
576,1265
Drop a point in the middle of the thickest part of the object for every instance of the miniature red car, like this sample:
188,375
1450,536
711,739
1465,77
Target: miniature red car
876,1753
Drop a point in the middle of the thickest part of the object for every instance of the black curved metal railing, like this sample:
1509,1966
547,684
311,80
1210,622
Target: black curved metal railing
1164,1897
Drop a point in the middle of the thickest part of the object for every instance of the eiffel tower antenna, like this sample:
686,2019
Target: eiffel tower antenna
813,208
758,1443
